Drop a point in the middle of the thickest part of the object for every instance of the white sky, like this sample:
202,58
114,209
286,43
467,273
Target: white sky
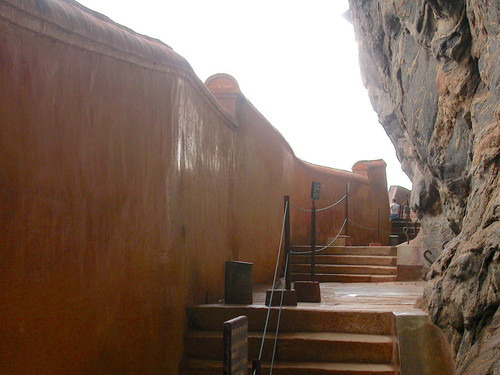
296,61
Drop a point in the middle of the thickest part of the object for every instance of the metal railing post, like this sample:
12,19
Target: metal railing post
407,216
288,274
378,224
313,242
256,367
347,208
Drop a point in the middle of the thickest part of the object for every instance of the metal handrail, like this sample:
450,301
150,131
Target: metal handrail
277,323
428,253
427,256
273,286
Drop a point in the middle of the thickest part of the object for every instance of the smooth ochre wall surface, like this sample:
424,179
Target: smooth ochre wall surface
125,185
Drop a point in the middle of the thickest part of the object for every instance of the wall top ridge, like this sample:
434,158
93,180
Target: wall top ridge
369,164
337,172
227,90
71,23
223,83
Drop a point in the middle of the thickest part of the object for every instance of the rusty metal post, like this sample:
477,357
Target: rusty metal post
378,224
288,274
407,216
414,228
256,367
347,209
313,242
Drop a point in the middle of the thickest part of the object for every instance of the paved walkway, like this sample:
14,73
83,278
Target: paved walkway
389,296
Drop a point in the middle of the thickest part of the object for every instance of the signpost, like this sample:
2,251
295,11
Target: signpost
309,291
315,190
347,186
236,346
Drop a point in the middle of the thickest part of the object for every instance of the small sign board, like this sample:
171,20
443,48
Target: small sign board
315,189
236,346
238,283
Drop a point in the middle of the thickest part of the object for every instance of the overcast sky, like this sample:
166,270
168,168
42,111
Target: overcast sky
296,61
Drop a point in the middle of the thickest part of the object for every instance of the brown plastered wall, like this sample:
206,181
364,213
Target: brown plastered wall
124,186
375,209
271,163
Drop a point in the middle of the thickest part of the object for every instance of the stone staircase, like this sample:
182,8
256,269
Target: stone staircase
311,341
347,264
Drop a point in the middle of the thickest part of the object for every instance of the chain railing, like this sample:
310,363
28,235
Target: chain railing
313,250
343,229
285,241
320,209
324,247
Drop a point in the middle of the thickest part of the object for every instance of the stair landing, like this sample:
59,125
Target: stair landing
348,332
369,296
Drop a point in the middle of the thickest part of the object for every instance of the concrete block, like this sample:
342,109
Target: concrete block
422,347
307,291
409,263
409,255
409,273
341,240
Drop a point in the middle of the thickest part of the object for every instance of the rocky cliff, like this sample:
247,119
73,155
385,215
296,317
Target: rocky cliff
432,70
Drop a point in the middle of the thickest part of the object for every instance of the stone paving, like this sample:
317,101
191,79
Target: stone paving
387,296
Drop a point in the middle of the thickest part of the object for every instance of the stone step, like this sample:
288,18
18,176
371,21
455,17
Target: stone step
345,269
211,367
341,240
212,318
294,346
352,250
378,260
344,278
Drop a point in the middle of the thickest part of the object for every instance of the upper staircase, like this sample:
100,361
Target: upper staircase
397,228
347,264
311,341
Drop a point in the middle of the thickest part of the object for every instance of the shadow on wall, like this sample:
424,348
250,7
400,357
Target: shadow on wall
125,184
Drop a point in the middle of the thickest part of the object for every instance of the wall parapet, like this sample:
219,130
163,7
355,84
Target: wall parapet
125,184
70,22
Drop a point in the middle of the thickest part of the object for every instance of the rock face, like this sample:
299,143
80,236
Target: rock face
432,70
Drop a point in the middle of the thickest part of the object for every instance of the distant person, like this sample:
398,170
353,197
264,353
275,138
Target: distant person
394,210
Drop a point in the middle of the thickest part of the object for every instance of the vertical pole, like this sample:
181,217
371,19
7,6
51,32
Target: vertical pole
256,367
313,242
378,224
407,215
288,279
414,227
347,208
